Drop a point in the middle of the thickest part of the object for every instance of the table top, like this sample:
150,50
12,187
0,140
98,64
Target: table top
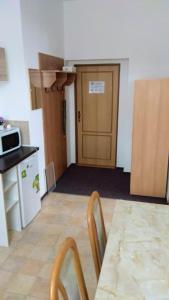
136,261
15,157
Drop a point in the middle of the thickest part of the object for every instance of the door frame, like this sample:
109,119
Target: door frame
75,93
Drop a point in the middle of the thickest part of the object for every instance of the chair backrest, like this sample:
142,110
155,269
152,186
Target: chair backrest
97,232
67,281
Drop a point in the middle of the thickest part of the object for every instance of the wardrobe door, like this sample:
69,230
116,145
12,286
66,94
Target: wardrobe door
150,146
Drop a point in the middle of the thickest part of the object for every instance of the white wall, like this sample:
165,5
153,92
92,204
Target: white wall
42,24
42,27
118,29
13,101
26,28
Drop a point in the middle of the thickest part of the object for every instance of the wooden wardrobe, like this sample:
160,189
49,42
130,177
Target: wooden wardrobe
150,143
47,90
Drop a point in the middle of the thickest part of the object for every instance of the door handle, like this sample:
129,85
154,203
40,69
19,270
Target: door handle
78,116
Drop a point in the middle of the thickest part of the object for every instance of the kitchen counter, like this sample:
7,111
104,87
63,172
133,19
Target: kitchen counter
12,159
135,265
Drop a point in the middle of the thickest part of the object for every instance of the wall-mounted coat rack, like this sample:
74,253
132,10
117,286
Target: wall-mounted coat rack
50,80
53,80
36,90
58,78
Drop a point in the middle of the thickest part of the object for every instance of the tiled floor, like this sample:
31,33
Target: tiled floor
25,266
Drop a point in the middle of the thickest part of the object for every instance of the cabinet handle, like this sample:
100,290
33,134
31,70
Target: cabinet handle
78,116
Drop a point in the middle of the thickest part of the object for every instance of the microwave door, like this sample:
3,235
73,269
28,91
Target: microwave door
10,141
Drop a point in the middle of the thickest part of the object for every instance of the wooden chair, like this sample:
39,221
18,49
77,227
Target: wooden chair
67,281
97,232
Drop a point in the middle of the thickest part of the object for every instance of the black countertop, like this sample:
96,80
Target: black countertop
15,157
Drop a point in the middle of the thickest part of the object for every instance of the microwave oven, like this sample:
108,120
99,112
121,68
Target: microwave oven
10,140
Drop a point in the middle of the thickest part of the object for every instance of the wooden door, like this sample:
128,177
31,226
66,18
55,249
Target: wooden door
54,135
96,114
150,138
53,119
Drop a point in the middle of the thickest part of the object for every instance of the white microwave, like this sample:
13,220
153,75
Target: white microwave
10,140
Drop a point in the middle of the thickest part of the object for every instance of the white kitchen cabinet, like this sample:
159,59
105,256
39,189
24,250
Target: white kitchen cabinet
29,190
10,217
15,201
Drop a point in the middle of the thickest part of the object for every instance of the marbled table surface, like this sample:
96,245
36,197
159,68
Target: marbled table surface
136,261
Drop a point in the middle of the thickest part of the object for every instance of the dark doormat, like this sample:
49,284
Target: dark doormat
110,183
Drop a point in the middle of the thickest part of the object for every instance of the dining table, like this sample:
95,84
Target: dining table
136,260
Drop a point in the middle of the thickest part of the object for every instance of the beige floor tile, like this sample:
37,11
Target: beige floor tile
13,296
21,284
55,229
13,263
40,289
32,267
36,227
2,294
31,238
45,271
32,298
25,267
15,237
23,249
47,240
4,253
41,253
5,277
53,253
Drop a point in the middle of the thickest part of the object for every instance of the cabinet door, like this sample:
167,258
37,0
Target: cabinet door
150,138
29,189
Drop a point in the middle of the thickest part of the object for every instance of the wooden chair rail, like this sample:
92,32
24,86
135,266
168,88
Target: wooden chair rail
93,234
56,285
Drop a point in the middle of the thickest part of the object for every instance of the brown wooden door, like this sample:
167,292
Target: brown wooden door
53,119
97,105
54,134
